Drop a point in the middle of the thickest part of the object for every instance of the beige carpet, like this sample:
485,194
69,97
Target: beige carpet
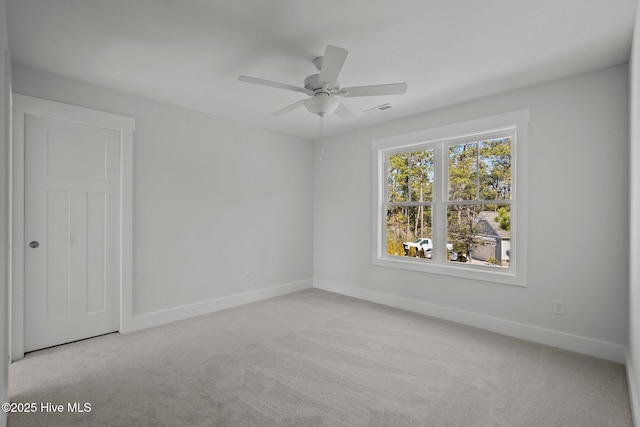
318,359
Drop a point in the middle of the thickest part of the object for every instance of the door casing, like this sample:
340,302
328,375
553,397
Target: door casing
23,105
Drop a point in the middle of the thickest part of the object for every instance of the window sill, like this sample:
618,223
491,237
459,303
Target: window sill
465,271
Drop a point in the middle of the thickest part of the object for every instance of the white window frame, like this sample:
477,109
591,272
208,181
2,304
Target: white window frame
440,138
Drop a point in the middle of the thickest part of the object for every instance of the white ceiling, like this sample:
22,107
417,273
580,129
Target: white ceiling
190,52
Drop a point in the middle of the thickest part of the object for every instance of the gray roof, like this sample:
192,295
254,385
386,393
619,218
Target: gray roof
489,217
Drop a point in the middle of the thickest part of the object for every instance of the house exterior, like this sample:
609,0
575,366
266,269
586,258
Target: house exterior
491,240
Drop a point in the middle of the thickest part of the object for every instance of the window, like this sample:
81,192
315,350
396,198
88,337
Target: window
449,200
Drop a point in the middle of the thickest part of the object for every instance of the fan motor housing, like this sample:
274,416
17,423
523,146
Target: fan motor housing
313,83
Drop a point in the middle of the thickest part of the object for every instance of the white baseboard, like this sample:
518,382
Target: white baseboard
579,344
162,317
632,382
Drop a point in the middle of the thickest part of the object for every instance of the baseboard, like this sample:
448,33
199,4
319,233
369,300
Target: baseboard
632,384
576,343
163,317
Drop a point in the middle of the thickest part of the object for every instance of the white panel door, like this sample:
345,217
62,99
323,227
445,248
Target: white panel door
71,231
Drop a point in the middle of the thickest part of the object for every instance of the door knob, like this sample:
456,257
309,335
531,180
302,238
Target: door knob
34,244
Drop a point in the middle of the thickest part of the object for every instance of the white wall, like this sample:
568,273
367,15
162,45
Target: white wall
633,355
578,148
5,79
213,199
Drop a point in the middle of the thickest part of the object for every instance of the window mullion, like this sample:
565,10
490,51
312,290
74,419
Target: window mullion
477,170
440,208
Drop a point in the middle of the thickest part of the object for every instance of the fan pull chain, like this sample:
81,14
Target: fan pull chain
321,125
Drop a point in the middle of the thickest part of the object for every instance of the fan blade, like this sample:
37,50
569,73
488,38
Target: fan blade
288,108
332,63
263,82
344,113
388,89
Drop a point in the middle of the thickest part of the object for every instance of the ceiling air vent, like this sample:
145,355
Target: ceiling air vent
382,107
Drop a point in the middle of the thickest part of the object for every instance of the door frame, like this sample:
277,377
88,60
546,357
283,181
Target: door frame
26,105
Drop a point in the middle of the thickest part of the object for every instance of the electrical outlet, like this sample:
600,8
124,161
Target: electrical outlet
558,307
248,276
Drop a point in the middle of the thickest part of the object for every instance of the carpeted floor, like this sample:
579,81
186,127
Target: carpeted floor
315,358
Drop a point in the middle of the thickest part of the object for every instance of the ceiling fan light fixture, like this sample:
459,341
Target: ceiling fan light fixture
321,104
323,87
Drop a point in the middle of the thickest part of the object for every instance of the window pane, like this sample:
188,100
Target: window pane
409,231
463,171
479,234
410,176
495,169
421,172
398,178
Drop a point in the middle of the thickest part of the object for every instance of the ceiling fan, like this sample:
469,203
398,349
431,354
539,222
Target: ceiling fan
323,87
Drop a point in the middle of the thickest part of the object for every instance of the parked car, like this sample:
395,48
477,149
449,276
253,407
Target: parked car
426,245
421,243
453,256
